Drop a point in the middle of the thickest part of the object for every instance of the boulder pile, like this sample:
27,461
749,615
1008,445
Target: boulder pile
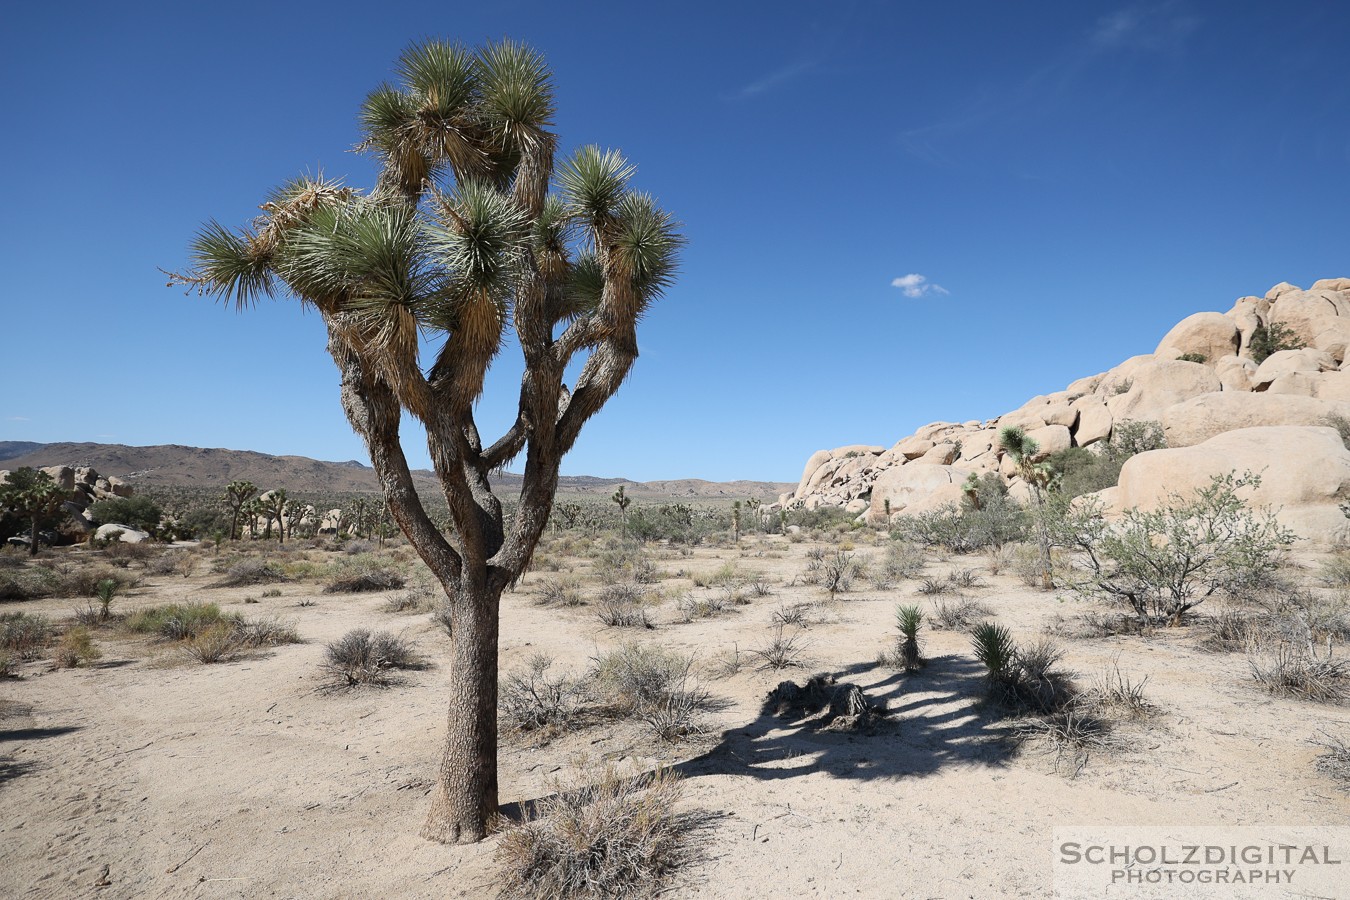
1220,409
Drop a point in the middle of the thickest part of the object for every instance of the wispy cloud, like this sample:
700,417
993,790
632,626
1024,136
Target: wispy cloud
1157,28
18,419
1051,88
771,80
916,285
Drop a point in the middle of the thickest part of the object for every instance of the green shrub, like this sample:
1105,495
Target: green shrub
1167,561
1193,357
1272,338
139,512
177,621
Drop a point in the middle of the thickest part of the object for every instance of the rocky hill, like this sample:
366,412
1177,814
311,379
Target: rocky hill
1222,407
179,466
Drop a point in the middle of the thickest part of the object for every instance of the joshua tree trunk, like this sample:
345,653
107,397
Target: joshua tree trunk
465,797
1043,541
33,538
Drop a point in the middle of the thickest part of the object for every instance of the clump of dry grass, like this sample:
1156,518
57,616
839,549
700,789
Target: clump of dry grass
1335,758
782,651
560,592
614,837
1299,669
363,579
76,648
24,635
623,605
959,614
248,572
361,657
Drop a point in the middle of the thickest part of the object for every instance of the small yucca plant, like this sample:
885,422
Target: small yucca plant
106,590
908,619
995,649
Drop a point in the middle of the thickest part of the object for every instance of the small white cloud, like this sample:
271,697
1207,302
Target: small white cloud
915,285
18,419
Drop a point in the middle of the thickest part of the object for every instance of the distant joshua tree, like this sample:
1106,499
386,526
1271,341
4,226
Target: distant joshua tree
237,494
33,496
463,238
1038,476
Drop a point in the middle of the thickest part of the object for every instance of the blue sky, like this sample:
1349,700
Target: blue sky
896,212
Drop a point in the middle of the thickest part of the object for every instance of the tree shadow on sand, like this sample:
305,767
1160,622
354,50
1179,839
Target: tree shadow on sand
933,719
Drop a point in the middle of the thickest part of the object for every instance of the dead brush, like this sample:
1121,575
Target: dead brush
559,592
600,836
964,578
365,579
960,614
419,597
1334,760
1234,628
533,700
931,586
624,606
782,651
1114,691
362,658
1072,734
1298,669
248,572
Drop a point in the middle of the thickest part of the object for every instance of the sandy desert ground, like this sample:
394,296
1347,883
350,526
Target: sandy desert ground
248,778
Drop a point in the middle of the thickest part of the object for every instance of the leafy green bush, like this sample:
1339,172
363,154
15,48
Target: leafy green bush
177,621
1083,470
1272,338
1166,562
139,512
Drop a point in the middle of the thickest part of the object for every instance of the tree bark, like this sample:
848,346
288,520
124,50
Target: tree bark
465,797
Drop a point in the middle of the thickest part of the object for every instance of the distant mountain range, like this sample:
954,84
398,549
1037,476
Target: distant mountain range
173,465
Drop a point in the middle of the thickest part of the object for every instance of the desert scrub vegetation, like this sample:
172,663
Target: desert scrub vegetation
363,574
247,572
652,685
1165,562
1334,760
534,700
24,635
958,614
563,591
907,652
599,836
208,635
76,648
624,605
361,657
782,650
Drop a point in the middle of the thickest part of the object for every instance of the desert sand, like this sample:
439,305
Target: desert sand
250,778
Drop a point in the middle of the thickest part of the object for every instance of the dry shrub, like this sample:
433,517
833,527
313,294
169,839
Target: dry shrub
216,643
247,572
559,592
422,595
782,651
363,579
361,657
1093,624
615,838
624,606
83,581
29,583
76,648
1335,758
960,614
1299,669
710,607
24,635
531,699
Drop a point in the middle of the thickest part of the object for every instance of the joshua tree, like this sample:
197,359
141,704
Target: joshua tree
736,521
274,507
33,495
623,501
237,494
1038,476
461,238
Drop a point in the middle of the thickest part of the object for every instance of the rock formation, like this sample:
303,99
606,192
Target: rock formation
1220,408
